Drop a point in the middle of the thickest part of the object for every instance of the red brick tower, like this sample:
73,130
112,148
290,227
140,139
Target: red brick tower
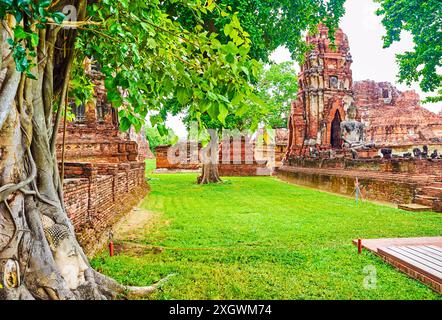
325,92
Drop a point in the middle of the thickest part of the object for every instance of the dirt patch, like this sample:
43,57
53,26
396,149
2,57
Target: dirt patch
93,238
133,225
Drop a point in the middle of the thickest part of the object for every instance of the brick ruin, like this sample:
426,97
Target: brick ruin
104,169
233,159
401,166
325,91
395,119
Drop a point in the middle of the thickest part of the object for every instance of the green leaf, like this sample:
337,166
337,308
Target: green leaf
44,3
58,17
213,111
223,113
34,39
20,33
183,95
125,124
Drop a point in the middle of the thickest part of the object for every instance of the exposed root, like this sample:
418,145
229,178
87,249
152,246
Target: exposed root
141,292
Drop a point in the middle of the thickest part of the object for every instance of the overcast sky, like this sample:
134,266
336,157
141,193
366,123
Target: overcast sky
371,61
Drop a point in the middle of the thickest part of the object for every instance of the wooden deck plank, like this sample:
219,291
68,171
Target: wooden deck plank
422,253
411,263
435,249
418,259
425,251
374,244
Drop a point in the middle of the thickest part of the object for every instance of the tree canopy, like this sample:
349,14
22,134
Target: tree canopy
270,24
149,59
278,87
423,19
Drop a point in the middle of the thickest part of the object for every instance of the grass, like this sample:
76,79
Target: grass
260,238
151,165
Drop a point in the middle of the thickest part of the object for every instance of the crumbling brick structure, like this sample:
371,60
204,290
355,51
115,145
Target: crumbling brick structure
325,92
104,171
392,119
236,159
395,121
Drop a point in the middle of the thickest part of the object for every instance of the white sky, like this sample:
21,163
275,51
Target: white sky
371,61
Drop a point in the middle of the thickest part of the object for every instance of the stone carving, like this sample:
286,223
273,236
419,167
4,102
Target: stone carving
425,152
314,153
66,255
417,153
11,274
434,155
387,153
352,133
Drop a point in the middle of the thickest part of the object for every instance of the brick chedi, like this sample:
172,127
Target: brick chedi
94,135
104,170
325,91
393,118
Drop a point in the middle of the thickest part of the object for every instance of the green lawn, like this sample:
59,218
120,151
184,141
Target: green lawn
260,238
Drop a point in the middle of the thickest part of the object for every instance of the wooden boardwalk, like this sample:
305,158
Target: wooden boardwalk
419,258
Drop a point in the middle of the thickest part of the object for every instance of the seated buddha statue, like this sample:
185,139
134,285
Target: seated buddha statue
352,133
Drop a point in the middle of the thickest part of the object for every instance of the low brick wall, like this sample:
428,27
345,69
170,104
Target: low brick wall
244,165
98,195
397,180
396,165
372,188
243,170
164,163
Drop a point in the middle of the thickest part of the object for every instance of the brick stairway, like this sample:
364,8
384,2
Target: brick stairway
430,195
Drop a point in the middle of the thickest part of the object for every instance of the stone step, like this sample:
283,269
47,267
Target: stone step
431,192
414,207
425,200
436,185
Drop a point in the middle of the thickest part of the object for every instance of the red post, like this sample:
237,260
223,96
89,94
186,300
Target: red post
111,248
359,246
111,244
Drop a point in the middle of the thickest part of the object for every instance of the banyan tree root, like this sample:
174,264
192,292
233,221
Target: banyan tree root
40,257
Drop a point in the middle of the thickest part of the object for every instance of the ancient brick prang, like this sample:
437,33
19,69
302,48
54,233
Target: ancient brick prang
325,92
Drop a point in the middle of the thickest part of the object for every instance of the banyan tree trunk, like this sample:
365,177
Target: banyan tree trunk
210,160
209,174
40,257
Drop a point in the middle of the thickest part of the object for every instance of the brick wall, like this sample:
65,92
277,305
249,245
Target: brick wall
97,195
185,164
240,164
397,165
373,188
394,180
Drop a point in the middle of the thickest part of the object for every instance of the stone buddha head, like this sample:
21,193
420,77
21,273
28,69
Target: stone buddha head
352,112
66,255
